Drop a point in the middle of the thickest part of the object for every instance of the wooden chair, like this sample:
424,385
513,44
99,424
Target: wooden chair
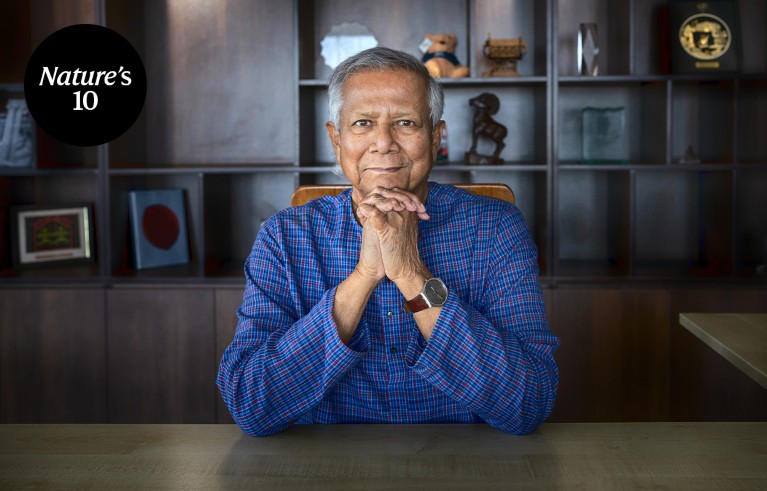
309,192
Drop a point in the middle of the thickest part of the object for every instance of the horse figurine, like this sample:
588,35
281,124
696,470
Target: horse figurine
486,105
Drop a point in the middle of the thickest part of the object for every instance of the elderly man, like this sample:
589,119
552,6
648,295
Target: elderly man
400,300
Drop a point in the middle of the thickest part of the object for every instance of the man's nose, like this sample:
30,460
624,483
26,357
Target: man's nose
385,140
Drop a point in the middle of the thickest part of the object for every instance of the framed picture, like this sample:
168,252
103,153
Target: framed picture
48,235
158,228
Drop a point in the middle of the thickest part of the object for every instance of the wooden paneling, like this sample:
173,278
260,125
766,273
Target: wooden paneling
227,302
613,357
705,386
624,357
161,355
52,359
221,75
14,31
151,355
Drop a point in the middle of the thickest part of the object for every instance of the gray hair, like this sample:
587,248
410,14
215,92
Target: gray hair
381,58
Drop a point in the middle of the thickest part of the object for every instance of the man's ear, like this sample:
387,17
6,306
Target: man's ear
335,139
436,138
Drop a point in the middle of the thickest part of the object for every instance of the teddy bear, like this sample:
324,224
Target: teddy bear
439,56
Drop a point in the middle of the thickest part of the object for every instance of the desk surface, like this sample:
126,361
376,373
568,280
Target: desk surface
739,338
570,456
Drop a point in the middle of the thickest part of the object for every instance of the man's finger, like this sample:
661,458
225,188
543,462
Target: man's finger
376,216
410,199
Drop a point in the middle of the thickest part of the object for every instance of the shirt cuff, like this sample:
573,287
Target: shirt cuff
452,310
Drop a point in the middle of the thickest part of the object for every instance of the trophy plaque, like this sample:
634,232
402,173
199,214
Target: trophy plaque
504,55
604,136
704,36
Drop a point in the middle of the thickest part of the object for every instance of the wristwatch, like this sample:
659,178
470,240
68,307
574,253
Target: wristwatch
433,294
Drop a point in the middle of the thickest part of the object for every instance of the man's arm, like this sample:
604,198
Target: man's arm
498,364
283,360
496,357
353,293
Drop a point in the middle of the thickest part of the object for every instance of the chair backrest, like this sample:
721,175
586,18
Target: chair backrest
308,192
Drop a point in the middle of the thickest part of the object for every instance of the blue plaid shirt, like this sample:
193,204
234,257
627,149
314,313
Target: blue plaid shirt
489,358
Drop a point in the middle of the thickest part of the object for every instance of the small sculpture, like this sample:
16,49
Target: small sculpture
486,105
504,54
439,56
690,157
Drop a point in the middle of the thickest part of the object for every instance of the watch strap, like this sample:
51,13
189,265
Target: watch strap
416,304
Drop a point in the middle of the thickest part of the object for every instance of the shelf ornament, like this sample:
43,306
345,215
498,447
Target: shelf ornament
604,136
344,40
588,49
486,104
504,55
439,56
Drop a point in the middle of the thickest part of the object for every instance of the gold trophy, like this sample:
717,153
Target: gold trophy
504,55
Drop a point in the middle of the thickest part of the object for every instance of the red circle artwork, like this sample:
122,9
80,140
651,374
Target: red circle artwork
160,226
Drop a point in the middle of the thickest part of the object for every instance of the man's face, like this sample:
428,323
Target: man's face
384,136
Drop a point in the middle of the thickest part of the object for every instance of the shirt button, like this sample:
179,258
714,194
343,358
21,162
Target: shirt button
389,314
393,350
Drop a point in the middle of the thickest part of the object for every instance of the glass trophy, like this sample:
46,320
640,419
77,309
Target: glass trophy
604,136
588,50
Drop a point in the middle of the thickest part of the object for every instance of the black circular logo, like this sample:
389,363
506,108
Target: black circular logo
85,85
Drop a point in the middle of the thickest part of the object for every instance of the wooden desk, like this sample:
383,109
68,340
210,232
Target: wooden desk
569,456
739,338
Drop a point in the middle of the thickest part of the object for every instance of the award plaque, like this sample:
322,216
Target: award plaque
704,36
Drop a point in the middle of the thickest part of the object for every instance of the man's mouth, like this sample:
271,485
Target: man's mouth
384,170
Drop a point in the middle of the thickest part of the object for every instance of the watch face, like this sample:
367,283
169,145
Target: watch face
705,36
435,291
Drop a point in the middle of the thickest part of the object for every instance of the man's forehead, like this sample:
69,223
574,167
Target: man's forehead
399,75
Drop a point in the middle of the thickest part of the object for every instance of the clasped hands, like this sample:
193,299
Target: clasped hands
389,219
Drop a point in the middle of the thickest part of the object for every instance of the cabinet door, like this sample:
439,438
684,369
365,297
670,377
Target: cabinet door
161,355
52,356
613,357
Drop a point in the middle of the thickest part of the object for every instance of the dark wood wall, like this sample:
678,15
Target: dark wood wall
150,355
624,356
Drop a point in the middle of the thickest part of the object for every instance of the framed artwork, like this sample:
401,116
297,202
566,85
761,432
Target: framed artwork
48,235
158,228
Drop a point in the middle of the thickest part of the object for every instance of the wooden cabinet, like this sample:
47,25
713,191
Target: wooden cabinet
52,356
624,356
614,354
161,361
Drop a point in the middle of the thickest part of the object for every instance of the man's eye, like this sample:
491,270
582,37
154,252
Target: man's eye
405,122
362,122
